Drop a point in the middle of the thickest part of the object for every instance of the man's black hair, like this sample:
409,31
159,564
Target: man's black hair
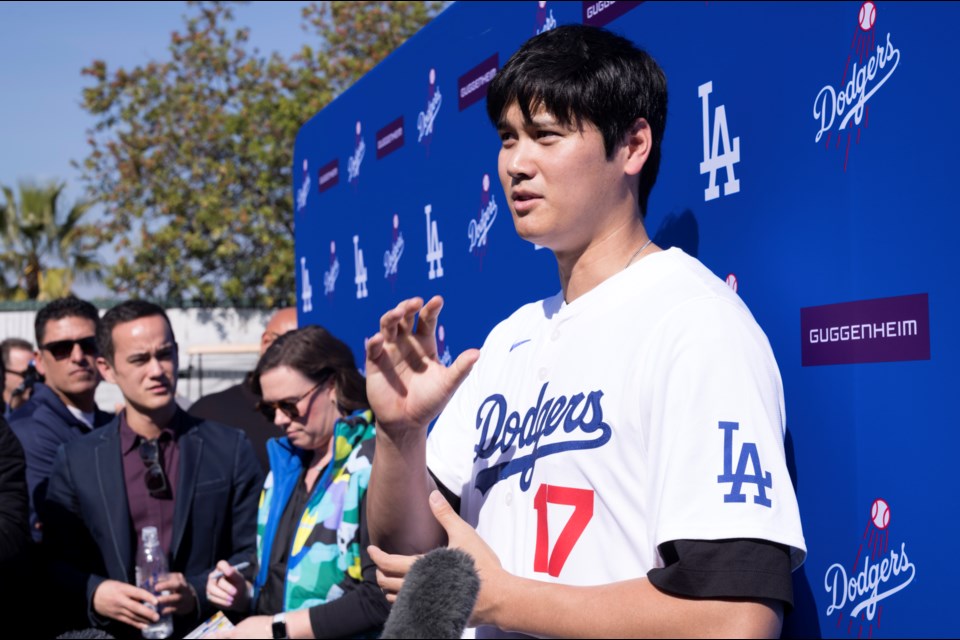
582,73
69,307
125,312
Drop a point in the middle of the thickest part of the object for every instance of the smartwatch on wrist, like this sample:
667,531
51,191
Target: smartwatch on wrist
280,626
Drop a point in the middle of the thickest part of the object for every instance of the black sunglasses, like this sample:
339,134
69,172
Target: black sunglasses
156,479
289,407
61,349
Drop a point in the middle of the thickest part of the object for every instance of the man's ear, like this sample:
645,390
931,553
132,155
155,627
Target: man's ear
106,371
38,363
637,146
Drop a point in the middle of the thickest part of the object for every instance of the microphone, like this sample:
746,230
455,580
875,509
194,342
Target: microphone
437,597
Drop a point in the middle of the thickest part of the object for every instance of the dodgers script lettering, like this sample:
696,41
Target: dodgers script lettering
502,430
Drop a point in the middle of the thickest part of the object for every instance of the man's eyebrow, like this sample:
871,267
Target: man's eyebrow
142,354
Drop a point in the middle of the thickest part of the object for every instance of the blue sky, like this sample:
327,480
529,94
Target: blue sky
43,47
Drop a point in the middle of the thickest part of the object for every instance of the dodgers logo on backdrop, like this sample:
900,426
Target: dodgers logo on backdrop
306,291
426,118
359,270
331,274
478,228
434,246
354,161
304,191
443,351
714,158
545,20
868,67
732,282
391,257
880,569
506,433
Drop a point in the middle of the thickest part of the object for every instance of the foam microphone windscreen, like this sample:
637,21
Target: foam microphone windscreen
437,597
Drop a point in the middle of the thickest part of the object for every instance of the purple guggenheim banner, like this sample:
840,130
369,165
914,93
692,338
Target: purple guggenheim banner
472,86
328,175
390,138
881,330
598,14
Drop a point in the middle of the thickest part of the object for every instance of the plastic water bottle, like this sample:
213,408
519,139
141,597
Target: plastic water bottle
151,568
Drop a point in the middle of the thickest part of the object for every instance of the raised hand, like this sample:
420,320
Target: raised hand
406,384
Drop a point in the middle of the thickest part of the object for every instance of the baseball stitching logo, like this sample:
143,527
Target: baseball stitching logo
426,118
304,189
879,571
354,161
479,227
545,20
873,64
331,274
391,257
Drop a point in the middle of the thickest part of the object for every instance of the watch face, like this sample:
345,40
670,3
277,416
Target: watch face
279,627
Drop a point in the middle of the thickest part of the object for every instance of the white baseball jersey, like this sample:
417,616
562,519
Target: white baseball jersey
648,410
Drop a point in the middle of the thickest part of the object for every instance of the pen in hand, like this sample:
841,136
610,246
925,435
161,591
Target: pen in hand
239,567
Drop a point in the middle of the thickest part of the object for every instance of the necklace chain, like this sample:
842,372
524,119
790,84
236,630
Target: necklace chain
638,252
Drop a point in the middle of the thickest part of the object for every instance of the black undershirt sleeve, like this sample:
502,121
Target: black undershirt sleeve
732,568
449,495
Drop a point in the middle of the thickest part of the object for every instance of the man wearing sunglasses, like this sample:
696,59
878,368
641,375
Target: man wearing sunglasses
196,481
62,408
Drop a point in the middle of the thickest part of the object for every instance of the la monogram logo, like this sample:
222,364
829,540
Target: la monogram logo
713,159
306,291
434,246
360,271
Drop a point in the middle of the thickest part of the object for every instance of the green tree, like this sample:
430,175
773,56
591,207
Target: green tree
44,248
192,157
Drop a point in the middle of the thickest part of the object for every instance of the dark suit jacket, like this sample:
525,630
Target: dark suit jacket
237,406
43,423
87,526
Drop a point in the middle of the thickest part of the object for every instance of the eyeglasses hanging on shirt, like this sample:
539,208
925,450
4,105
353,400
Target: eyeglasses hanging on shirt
156,479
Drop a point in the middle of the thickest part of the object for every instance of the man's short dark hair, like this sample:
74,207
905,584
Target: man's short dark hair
582,73
9,345
125,312
69,307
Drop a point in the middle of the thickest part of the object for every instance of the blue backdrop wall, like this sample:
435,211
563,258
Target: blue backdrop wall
803,162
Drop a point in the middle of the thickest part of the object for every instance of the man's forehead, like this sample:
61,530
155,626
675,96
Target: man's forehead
282,321
142,334
540,115
68,327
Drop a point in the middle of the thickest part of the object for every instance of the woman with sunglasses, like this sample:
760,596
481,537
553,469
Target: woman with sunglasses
315,579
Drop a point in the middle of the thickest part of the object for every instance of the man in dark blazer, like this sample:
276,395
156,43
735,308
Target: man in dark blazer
197,481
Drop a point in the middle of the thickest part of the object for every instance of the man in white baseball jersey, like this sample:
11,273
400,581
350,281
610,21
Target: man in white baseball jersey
615,451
